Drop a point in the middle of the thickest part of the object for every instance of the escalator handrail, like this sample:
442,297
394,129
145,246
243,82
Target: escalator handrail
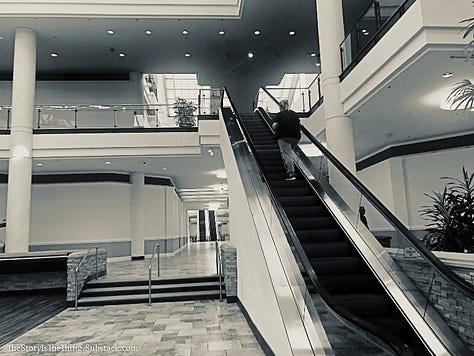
394,343
434,261
397,345
316,105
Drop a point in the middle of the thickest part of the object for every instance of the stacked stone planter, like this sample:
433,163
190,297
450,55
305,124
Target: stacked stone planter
229,270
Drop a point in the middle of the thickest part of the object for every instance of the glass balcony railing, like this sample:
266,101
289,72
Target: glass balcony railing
301,100
375,21
84,116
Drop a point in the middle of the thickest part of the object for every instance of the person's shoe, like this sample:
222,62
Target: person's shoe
290,177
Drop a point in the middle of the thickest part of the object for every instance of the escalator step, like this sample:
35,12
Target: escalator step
304,211
319,235
347,283
293,191
327,249
278,184
335,265
314,223
364,304
392,322
299,201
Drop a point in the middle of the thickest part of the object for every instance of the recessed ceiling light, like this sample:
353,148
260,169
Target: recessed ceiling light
111,32
250,55
40,164
187,54
318,64
185,32
447,75
148,32
164,168
122,55
257,32
54,55
313,54
221,32
292,33
108,163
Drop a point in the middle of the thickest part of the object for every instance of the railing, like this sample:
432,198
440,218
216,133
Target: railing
219,269
375,21
72,116
156,251
76,271
301,100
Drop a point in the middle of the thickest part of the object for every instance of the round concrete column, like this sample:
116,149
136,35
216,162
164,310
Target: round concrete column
21,142
137,215
339,135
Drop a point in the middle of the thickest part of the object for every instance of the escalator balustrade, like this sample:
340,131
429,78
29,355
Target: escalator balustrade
340,269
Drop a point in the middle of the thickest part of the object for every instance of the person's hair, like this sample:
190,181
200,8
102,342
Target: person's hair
284,104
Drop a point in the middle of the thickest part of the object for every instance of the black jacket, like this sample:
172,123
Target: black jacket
288,125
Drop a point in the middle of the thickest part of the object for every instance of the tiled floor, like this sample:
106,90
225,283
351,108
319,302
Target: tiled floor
182,328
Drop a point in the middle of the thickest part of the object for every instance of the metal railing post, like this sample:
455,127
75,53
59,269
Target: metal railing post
158,258
217,257
39,118
75,290
75,118
149,285
115,118
8,118
96,262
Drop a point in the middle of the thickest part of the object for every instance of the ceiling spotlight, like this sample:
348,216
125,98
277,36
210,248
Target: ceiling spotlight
318,64
313,54
257,32
365,32
40,164
148,32
108,163
111,32
121,55
292,33
250,55
185,32
221,32
187,54
447,75
164,168
54,55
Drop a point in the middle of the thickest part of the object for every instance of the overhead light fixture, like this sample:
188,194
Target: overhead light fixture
148,32
313,54
108,163
53,54
221,32
111,32
250,55
121,55
185,32
257,32
318,64
292,33
164,168
187,54
447,75
40,164
365,32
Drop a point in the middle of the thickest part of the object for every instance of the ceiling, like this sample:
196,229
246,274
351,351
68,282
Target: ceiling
84,46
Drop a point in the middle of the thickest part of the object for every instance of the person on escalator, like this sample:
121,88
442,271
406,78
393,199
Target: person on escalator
287,127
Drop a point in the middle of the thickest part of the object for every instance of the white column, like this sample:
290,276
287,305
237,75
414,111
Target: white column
21,142
339,135
137,214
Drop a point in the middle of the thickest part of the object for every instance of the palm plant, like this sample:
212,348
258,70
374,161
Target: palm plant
184,111
452,216
462,93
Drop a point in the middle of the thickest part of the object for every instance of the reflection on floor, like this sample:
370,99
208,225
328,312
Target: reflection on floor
181,328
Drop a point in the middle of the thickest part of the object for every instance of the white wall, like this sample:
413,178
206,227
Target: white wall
79,213
412,176
155,213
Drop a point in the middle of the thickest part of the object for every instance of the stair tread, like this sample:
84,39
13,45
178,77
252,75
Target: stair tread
156,281
154,287
146,296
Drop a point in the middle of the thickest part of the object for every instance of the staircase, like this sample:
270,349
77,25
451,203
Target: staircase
340,269
108,292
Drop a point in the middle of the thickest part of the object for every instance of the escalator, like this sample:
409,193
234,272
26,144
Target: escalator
340,269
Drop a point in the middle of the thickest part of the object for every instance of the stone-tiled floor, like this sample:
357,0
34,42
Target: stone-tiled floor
181,328
195,259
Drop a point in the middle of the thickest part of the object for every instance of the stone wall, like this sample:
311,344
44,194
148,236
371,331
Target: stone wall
454,307
20,282
86,272
229,269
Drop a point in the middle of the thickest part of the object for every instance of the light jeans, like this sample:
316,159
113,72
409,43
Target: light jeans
286,149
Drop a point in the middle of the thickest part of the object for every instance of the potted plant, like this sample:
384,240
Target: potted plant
184,111
452,216
461,95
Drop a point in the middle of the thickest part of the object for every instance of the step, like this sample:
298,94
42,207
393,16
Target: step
364,304
127,290
348,283
138,282
299,202
327,249
304,211
323,235
335,265
293,191
143,298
